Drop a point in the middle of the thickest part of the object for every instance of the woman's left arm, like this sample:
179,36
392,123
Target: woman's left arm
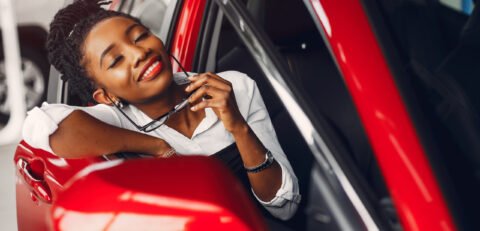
217,93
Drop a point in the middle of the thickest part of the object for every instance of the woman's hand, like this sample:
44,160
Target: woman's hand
163,150
210,90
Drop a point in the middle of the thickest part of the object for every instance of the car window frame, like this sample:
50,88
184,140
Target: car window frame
332,167
208,25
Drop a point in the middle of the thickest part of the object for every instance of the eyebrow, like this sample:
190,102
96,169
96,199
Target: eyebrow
127,31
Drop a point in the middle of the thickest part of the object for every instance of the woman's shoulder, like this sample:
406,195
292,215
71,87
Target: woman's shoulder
58,111
240,81
58,107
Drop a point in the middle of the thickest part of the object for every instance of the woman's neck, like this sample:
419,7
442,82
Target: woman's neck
184,121
174,95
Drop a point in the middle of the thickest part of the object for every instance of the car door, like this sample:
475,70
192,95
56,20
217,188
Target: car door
41,176
310,115
402,157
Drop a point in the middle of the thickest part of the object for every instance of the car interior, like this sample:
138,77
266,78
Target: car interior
438,50
311,67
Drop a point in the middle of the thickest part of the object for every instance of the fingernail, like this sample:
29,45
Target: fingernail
193,108
187,88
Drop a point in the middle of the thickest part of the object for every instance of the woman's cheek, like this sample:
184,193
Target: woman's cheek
122,78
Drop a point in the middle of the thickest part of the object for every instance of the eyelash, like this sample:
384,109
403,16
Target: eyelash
115,61
119,58
141,37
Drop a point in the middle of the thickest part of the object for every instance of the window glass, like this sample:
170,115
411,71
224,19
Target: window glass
312,69
464,6
151,13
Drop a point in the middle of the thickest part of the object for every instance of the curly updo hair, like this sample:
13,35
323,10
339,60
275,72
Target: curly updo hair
68,31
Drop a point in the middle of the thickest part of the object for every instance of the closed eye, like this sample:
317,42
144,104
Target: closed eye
115,61
142,36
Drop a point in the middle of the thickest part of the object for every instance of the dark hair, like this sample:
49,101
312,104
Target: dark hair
68,31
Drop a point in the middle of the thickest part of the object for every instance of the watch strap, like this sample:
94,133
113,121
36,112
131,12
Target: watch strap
268,161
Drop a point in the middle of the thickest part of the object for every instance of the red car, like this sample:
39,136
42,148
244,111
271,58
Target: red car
374,103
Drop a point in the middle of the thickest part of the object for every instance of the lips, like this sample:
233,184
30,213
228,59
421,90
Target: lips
151,69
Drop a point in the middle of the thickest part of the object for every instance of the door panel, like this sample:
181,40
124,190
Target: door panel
40,172
153,194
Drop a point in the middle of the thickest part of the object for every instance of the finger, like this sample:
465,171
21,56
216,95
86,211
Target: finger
210,74
207,90
215,76
209,103
210,79
198,81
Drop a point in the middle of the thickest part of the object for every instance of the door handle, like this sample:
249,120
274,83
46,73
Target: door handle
37,185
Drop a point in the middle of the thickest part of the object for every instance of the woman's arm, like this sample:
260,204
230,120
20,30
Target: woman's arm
222,100
275,187
81,135
267,182
76,132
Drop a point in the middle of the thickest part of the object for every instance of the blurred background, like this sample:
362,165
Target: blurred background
32,18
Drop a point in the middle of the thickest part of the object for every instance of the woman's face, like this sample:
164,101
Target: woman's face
126,60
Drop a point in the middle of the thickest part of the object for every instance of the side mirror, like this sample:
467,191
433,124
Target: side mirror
182,193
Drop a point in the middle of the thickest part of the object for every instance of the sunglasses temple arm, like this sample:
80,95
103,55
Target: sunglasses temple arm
179,64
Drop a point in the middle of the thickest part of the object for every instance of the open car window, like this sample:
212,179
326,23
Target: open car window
312,113
462,6
432,49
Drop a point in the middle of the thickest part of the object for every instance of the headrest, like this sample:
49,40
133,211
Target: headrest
285,21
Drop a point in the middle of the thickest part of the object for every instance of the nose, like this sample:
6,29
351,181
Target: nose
139,54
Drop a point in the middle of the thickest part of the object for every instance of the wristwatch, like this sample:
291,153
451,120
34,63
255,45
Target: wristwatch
268,161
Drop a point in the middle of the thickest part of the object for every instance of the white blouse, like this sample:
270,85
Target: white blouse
208,138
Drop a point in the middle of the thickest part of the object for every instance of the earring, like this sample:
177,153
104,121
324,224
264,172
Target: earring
118,103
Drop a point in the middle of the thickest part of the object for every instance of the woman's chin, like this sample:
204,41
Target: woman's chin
161,86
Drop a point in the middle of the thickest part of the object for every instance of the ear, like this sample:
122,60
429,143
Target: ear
100,95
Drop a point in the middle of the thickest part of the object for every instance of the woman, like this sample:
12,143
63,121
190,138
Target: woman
112,59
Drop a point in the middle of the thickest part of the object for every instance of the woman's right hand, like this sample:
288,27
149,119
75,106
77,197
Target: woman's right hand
164,150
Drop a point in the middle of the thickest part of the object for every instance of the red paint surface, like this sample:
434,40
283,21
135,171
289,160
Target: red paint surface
410,179
184,193
186,34
55,172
